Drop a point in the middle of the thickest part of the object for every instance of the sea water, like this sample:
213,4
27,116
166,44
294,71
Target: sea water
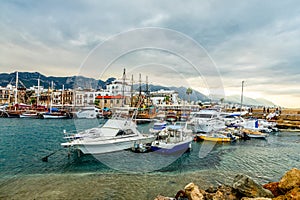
127,175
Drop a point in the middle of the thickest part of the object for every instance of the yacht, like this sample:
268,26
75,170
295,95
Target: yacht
207,120
114,135
88,113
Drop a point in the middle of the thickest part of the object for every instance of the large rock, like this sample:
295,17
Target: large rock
160,197
249,188
257,198
290,180
293,194
192,192
226,192
273,187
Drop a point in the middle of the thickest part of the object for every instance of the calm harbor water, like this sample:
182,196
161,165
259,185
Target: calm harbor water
127,175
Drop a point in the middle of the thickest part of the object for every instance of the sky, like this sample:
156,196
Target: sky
211,46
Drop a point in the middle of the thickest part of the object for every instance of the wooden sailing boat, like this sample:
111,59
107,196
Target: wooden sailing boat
54,113
145,110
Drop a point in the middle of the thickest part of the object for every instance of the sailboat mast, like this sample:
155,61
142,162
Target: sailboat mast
123,87
242,95
38,93
16,94
147,91
140,82
131,92
51,98
62,95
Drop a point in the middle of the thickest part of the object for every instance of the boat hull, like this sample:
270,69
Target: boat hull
29,116
258,136
108,147
172,148
55,116
213,139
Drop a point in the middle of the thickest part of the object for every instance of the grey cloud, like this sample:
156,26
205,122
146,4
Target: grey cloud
248,40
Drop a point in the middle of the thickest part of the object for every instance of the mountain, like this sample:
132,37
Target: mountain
195,96
248,101
28,79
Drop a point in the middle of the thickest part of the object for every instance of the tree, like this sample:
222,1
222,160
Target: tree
222,100
97,101
189,91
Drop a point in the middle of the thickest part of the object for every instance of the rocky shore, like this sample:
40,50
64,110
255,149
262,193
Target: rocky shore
244,188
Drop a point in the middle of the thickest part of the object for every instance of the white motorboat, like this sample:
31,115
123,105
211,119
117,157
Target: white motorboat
172,140
55,115
206,121
254,124
114,135
87,113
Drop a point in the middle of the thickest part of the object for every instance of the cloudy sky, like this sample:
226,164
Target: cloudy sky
206,45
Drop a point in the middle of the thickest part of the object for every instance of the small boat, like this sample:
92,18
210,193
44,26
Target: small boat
216,137
30,114
114,135
13,113
171,116
255,134
87,113
172,140
54,113
184,117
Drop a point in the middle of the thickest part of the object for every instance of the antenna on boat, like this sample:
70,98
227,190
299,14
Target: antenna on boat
140,83
123,87
131,92
16,94
242,96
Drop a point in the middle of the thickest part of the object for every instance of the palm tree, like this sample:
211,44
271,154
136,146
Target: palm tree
189,91
222,100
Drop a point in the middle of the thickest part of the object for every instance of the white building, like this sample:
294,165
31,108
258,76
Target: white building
119,87
163,97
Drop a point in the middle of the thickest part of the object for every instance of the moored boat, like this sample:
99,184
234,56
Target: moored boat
30,114
87,113
114,135
171,116
214,137
207,120
255,134
172,140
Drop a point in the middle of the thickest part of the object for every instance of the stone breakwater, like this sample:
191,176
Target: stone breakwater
244,188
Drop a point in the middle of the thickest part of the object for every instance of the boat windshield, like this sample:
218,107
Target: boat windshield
204,115
125,132
159,126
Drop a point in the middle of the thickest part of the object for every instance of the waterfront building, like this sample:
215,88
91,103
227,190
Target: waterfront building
5,95
110,101
164,97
